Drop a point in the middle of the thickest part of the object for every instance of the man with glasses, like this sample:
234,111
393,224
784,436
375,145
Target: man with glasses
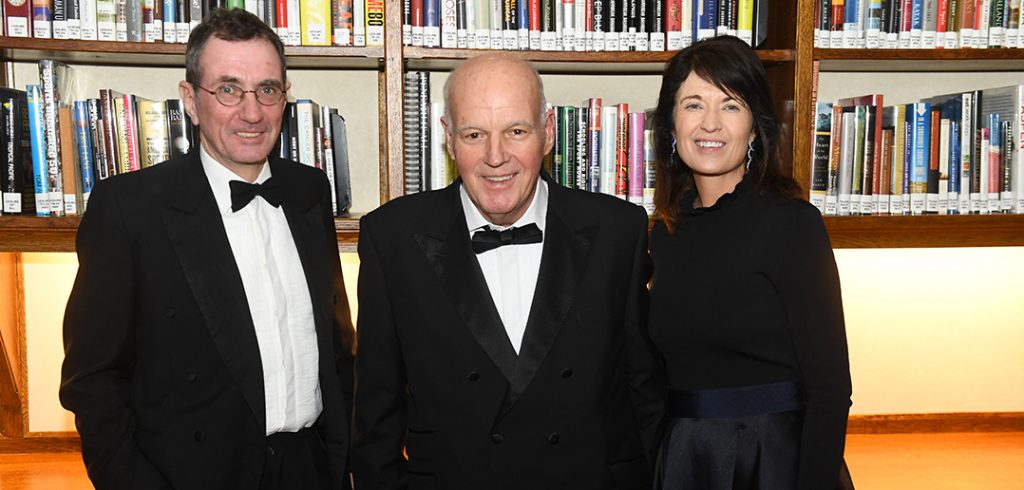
208,337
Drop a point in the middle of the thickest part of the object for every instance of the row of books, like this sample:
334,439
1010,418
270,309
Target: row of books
580,25
914,24
948,154
297,22
605,148
54,146
598,148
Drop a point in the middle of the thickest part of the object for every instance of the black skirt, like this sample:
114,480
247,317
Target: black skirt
756,452
753,452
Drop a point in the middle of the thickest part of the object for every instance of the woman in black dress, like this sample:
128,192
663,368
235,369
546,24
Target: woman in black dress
745,301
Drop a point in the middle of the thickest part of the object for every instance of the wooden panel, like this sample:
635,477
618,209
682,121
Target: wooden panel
1005,230
804,94
109,53
52,442
903,60
391,176
618,62
936,422
11,313
57,234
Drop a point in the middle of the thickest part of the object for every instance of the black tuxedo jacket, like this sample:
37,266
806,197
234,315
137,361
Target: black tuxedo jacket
162,368
578,408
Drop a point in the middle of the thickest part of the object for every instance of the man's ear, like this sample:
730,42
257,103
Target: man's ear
188,99
448,137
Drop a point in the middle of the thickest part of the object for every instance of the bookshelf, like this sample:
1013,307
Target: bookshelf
896,231
788,54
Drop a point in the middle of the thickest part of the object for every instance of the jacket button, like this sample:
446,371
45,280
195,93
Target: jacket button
192,377
553,438
200,436
271,452
497,438
334,299
169,313
473,376
567,373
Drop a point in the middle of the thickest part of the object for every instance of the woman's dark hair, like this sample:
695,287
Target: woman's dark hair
732,66
228,25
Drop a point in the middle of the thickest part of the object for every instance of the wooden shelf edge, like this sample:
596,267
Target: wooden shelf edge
917,54
46,442
936,423
38,234
172,54
570,61
1003,230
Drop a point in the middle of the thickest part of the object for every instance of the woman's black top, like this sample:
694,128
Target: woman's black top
746,292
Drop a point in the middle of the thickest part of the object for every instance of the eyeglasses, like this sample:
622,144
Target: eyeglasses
232,95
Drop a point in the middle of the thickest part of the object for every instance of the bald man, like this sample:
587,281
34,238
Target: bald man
501,335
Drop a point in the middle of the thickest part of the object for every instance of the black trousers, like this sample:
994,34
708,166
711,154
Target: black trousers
297,460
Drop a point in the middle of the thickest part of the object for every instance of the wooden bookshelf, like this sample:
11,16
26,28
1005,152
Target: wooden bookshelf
57,234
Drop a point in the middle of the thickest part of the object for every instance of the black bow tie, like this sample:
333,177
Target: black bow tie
242,193
488,239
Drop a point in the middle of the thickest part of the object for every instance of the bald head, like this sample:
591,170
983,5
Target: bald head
493,71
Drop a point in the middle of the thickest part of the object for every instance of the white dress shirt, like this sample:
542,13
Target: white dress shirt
511,271
279,301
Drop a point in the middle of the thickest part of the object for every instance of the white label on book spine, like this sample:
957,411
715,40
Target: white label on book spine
547,41
510,39
432,36
523,39
12,202
41,29
497,38
831,203
642,42
483,38
461,39
535,40
417,36
17,27
675,40
657,41
74,29
343,37
184,29
896,205
317,34
1012,38
70,206
611,41
966,35
599,41
882,206
60,29
105,31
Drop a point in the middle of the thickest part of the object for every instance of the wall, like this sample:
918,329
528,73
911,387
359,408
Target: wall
930,330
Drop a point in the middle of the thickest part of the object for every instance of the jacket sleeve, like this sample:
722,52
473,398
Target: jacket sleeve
646,372
343,341
99,353
380,404
807,281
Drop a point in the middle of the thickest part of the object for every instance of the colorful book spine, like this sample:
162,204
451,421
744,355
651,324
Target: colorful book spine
315,17
609,134
650,164
374,22
37,133
83,144
919,119
42,19
594,115
622,152
17,18
636,158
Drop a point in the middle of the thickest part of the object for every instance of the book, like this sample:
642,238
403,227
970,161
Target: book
594,115
17,18
37,135
315,18
609,133
820,155
154,136
18,189
411,132
83,144
919,119
846,159
51,74
42,19
636,157
374,23
342,177
69,164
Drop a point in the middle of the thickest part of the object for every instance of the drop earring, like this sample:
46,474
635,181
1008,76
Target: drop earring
750,154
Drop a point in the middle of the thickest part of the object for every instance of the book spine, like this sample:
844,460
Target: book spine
341,21
449,22
72,196
374,22
650,165
17,18
820,155
83,143
609,135
919,115
315,18
48,78
636,158
42,19
622,152
37,133
582,166
594,116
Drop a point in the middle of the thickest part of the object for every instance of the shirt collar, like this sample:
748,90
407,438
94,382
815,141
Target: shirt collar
536,213
219,176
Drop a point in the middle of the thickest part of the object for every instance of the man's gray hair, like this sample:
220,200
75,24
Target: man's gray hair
536,78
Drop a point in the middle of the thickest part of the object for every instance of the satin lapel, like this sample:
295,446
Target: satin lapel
304,215
562,266
196,233
455,265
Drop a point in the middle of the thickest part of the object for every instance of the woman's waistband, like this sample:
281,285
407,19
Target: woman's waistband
741,401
